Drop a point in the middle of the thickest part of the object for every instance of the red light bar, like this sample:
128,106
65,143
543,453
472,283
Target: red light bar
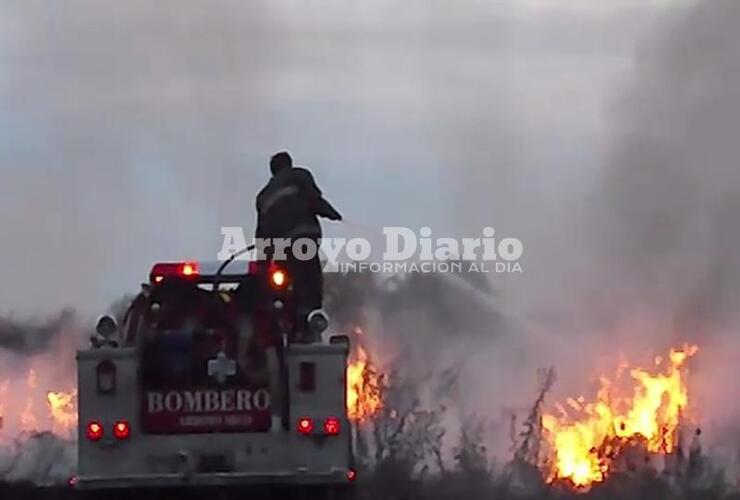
164,270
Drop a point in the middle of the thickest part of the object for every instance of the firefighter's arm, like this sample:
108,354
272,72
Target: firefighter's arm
320,205
326,209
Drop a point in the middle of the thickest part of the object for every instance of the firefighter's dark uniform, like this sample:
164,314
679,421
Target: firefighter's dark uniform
289,207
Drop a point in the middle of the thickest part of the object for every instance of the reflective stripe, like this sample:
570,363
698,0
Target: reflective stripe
269,202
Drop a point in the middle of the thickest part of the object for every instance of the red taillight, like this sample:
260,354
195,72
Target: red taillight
332,426
305,425
94,431
72,482
351,475
121,430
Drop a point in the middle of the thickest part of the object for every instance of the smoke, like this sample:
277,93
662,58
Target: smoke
41,459
627,258
649,254
667,226
667,217
27,337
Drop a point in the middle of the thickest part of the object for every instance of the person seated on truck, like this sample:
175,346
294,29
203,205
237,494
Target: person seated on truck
289,207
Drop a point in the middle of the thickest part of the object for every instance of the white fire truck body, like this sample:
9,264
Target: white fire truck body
138,430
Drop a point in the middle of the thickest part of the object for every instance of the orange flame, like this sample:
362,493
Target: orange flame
364,387
63,411
584,447
26,408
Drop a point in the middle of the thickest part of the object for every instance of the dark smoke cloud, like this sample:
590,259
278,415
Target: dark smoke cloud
28,337
671,216
665,223
638,252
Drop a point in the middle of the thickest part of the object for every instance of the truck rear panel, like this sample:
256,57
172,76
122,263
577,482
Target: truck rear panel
193,447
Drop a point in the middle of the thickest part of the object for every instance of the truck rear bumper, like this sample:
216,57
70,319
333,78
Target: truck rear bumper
336,477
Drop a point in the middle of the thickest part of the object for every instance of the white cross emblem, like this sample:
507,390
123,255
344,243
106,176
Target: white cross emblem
221,367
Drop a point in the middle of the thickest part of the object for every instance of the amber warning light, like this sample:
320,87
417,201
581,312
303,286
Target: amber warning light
278,278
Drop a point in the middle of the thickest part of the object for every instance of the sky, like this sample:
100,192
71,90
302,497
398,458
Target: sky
131,132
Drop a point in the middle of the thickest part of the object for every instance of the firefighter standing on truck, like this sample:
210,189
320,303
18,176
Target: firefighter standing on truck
288,207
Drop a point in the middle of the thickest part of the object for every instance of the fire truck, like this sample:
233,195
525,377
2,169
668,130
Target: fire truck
210,382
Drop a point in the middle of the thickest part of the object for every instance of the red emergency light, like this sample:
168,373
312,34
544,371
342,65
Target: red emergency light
332,426
122,430
162,270
94,431
305,426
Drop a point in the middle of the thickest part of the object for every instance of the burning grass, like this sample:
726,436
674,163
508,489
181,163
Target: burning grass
634,438
28,407
401,436
365,383
38,414
587,440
